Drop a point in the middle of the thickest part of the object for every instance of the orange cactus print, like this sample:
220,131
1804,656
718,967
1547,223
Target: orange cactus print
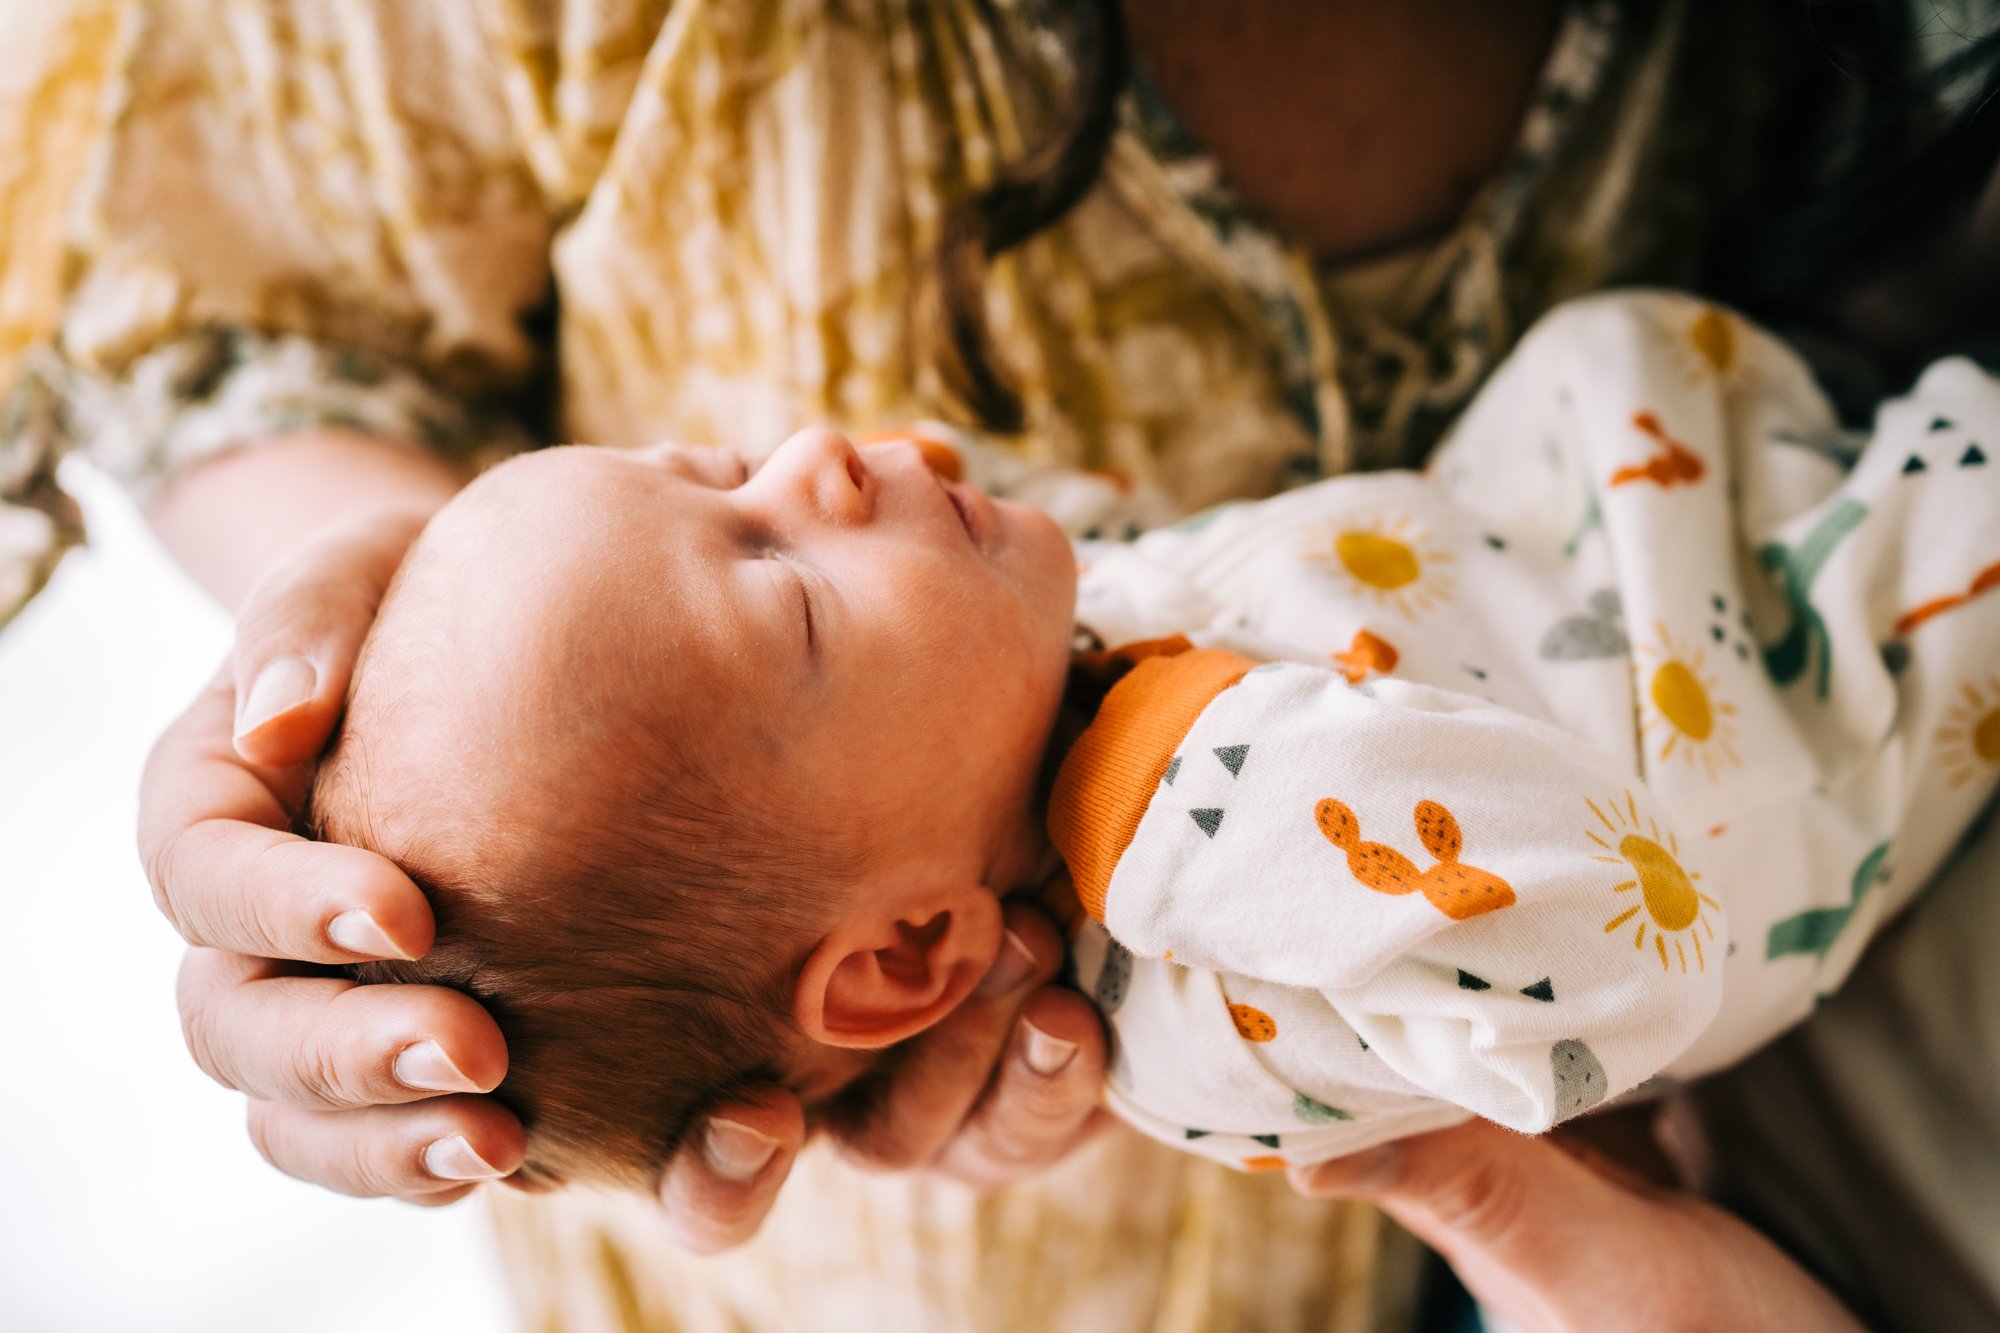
1263,1165
1252,1024
1985,580
1458,890
1366,654
1679,464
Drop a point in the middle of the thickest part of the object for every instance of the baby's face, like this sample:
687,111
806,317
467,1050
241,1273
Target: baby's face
844,638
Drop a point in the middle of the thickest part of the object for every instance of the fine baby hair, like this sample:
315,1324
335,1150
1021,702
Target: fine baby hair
633,939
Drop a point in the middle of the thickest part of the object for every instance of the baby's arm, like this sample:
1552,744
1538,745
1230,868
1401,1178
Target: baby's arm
1470,892
1643,455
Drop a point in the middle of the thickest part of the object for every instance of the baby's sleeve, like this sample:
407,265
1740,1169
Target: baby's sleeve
1495,911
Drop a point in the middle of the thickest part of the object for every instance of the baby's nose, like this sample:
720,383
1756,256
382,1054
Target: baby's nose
828,471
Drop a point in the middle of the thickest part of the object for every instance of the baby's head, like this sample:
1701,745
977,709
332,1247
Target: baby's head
710,781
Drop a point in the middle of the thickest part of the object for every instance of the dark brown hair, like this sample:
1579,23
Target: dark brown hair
1026,197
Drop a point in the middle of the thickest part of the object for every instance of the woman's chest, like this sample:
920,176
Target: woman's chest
1354,128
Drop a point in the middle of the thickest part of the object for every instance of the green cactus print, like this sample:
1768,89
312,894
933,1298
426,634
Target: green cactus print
1814,931
1317,1112
1786,659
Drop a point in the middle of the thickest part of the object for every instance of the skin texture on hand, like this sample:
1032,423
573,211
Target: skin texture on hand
325,1061
1559,1238
366,1090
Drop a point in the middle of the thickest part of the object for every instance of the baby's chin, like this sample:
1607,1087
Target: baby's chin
1049,560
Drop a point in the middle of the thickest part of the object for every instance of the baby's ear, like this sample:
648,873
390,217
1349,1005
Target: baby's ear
889,972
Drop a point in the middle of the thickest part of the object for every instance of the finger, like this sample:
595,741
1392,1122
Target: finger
906,1115
1492,1201
300,631
1546,1242
1043,1097
328,1043
225,869
429,1150
1623,1143
726,1175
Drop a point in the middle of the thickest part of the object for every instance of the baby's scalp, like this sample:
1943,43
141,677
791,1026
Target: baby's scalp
711,782
539,744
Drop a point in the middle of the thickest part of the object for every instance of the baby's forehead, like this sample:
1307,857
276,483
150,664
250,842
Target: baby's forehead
561,590
562,523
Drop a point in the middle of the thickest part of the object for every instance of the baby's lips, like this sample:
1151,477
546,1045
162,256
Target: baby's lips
939,456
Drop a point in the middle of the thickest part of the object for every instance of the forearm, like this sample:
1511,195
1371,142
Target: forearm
229,519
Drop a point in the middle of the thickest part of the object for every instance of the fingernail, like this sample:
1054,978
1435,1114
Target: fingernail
736,1152
425,1066
358,932
1046,1055
1014,966
453,1159
283,684
1366,1172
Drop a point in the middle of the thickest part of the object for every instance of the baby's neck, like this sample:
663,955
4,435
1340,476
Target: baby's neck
1040,865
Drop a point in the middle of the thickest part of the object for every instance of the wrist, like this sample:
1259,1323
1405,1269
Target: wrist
229,519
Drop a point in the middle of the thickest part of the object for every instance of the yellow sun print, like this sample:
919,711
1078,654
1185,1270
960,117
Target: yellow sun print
1680,708
1713,336
1970,736
1707,344
1392,562
1668,898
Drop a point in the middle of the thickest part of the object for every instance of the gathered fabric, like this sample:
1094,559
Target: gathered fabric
631,220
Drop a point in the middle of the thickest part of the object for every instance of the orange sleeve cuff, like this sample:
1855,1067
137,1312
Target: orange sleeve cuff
1111,773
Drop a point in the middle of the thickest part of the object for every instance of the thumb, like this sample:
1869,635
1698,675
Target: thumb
300,631
1545,1240
1510,1213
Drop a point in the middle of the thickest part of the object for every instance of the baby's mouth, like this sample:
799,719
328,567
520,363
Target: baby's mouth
971,515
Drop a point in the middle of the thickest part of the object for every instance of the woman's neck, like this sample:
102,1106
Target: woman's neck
1353,127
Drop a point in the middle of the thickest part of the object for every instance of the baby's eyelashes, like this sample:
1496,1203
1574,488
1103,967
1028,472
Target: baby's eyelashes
806,600
796,588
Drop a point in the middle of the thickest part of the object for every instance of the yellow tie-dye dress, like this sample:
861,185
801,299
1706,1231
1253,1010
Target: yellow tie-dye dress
473,225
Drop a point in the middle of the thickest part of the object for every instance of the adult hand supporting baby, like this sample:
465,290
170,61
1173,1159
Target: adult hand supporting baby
324,1061
344,1081
1559,1238
1002,1089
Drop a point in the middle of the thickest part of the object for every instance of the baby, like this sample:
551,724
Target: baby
1400,798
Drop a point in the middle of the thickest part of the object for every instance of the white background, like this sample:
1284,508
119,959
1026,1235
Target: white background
130,1197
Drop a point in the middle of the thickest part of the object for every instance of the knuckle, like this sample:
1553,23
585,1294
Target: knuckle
266,625
199,1031
362,1171
1007,1153
1482,1201
264,1134
319,1075
264,914
159,857
1016,1134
